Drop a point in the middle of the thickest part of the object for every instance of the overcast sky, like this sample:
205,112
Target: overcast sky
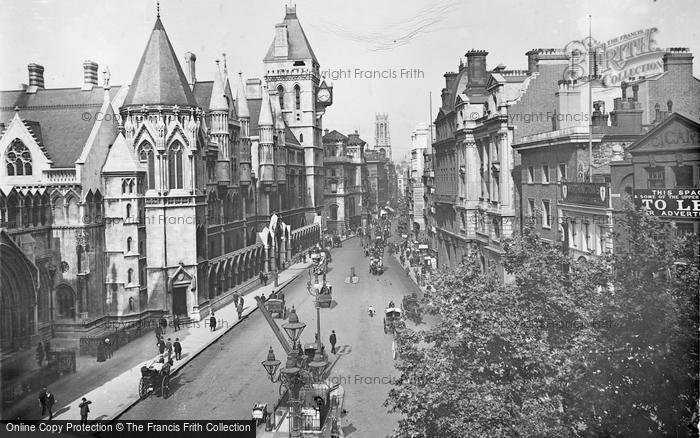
387,35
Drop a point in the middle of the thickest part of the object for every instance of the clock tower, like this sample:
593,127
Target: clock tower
292,70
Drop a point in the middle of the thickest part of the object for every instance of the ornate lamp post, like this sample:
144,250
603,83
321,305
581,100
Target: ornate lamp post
314,293
293,375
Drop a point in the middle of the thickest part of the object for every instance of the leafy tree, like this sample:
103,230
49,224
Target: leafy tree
608,348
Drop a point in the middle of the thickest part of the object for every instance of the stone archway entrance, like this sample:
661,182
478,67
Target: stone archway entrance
65,302
17,295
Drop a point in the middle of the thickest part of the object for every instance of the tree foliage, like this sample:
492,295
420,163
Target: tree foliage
605,347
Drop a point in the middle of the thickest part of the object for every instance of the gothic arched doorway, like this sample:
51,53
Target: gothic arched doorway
17,291
65,302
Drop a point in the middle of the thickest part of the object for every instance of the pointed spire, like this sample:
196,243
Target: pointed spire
241,101
266,111
159,79
218,100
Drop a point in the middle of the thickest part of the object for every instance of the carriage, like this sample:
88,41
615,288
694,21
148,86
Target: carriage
260,413
155,377
324,294
411,308
393,321
277,305
376,267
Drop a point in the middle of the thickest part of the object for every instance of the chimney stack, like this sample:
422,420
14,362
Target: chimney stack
89,75
678,60
325,132
623,85
635,92
190,59
36,77
532,60
476,68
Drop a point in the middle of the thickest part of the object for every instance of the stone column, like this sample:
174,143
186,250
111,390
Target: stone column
266,266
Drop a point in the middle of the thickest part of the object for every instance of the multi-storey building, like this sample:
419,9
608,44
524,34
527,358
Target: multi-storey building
420,142
343,192
557,195
377,181
155,199
473,173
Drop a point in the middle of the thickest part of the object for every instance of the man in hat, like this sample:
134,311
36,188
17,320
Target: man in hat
42,401
333,340
50,401
178,349
212,322
169,349
84,410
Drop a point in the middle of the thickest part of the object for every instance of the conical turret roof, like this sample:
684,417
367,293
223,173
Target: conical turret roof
265,118
159,79
241,100
299,46
218,98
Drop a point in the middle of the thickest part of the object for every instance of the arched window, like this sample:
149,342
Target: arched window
129,275
334,212
128,210
297,97
128,244
18,159
280,95
175,166
123,186
301,138
146,156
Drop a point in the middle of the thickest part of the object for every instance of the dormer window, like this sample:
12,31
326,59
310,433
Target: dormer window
18,159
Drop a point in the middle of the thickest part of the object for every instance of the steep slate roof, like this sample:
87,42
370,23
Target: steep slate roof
334,136
121,158
289,137
159,79
202,93
56,118
299,47
355,140
254,111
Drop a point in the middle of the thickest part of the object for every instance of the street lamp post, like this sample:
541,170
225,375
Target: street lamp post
297,372
315,294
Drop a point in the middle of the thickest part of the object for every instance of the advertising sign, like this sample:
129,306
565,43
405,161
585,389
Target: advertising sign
593,194
669,202
627,56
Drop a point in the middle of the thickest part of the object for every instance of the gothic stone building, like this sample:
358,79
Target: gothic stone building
159,198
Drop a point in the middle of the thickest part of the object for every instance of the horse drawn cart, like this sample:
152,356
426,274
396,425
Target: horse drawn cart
276,305
155,377
376,266
393,321
324,293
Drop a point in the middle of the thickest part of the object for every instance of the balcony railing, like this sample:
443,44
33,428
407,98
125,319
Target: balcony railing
61,175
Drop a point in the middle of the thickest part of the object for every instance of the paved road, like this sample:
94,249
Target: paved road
226,379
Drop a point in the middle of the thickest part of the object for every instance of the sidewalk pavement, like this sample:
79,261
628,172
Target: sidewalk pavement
116,395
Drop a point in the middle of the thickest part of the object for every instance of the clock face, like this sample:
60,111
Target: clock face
324,95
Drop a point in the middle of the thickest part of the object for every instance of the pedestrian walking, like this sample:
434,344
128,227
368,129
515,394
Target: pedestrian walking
333,340
47,349
101,352
50,401
212,322
164,324
176,323
108,348
178,349
161,346
84,410
262,277
39,354
169,349
239,309
42,401
159,332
